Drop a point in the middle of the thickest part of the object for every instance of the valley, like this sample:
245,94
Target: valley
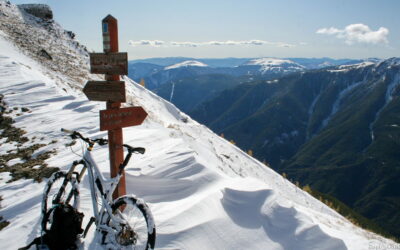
333,128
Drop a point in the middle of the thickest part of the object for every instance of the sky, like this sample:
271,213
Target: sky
237,28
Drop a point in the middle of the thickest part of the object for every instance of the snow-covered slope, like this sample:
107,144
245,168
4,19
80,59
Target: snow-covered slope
204,192
186,64
275,65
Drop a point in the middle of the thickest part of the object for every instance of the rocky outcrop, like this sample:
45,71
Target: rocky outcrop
42,11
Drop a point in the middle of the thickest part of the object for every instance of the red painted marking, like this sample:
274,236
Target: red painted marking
111,119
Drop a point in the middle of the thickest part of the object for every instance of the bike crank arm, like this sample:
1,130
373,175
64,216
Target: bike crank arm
92,219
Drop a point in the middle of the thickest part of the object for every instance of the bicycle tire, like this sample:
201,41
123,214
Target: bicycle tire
141,232
59,189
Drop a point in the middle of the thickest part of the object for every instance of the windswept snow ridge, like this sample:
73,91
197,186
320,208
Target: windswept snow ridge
204,192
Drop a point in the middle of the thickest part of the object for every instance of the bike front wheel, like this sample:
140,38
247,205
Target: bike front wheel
132,225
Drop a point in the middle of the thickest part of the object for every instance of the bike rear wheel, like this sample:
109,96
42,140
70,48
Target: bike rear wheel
132,226
60,189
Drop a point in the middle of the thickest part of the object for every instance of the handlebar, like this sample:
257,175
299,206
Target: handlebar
101,141
76,134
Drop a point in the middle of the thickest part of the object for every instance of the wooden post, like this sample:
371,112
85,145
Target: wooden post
113,63
115,140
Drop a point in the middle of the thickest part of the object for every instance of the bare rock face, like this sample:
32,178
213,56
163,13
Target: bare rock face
42,11
45,41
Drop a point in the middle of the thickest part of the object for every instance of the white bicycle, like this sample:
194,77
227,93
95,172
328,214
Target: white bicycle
125,223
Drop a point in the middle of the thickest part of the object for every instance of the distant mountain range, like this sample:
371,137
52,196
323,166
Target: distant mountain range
158,71
212,62
234,62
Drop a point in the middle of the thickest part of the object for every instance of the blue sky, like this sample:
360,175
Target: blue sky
237,28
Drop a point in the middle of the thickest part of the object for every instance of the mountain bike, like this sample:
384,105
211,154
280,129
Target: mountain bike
125,223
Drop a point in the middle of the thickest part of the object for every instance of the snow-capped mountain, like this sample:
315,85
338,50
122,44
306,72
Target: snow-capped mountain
274,65
204,192
156,72
186,64
267,68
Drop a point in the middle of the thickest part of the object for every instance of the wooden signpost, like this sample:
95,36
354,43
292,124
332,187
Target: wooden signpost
112,90
110,63
120,118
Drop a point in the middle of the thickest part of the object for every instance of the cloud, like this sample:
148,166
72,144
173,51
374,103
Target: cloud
210,43
157,43
154,43
285,45
221,43
255,42
358,33
186,44
229,42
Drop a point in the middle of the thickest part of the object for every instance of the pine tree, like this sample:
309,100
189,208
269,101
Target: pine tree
142,83
307,188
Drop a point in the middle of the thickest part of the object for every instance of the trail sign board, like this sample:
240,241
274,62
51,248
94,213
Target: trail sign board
105,91
123,117
109,63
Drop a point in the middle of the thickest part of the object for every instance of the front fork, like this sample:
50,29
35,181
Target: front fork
109,223
116,226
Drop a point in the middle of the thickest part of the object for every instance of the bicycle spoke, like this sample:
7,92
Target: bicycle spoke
130,225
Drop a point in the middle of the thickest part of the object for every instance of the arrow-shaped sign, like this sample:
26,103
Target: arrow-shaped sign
120,118
105,91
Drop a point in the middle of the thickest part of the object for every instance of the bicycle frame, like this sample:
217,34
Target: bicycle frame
105,187
99,185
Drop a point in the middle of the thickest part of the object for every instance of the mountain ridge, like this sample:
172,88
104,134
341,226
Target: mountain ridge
310,63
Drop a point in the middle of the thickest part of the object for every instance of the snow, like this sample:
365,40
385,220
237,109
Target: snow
348,67
268,61
186,64
336,104
275,65
388,98
172,92
357,65
204,192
